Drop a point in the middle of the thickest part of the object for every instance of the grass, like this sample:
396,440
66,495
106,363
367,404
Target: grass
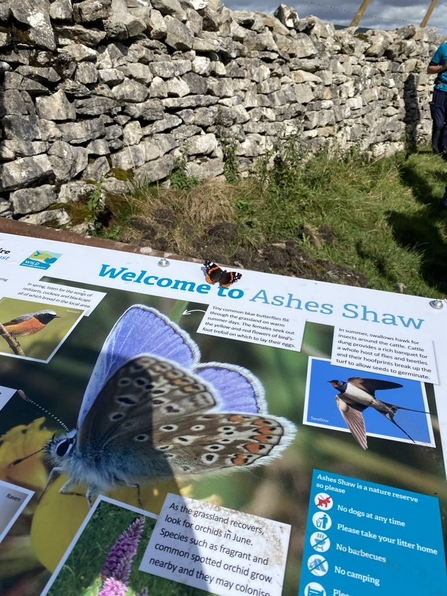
382,217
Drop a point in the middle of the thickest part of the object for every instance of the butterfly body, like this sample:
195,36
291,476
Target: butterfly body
214,274
154,418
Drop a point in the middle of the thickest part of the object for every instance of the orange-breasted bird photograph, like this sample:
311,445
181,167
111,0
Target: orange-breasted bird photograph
30,323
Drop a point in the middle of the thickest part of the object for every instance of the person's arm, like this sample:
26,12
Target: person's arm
436,68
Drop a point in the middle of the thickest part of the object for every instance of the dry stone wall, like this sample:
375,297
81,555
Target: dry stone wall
91,88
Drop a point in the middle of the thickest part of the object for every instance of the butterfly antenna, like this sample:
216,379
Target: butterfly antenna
23,395
18,461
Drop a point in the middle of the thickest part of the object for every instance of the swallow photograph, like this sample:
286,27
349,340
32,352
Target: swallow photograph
367,404
35,329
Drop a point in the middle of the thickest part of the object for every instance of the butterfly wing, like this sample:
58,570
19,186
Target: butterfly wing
144,394
219,442
229,277
139,330
154,419
237,388
213,272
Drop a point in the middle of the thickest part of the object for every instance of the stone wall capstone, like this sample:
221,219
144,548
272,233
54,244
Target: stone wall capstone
93,87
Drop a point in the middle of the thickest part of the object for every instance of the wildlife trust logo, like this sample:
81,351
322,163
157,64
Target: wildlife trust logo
40,259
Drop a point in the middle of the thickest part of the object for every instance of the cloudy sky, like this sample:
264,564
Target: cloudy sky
380,14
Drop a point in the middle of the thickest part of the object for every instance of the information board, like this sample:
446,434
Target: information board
170,429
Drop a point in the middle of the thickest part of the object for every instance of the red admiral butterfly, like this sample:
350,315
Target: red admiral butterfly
214,274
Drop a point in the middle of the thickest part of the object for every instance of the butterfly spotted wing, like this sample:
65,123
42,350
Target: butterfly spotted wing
154,419
143,330
140,330
214,274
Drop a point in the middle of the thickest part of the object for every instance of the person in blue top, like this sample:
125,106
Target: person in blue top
438,104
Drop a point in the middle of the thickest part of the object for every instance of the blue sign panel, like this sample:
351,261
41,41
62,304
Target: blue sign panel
367,539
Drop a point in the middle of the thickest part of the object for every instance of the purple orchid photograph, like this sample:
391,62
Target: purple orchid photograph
105,559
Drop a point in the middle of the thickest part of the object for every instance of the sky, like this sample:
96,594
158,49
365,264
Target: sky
380,14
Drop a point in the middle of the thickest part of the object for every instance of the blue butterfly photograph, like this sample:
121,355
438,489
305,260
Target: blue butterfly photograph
152,410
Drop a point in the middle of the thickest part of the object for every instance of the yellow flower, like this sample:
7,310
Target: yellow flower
59,516
21,455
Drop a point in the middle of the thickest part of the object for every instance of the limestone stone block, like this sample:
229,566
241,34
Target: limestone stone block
32,200
55,107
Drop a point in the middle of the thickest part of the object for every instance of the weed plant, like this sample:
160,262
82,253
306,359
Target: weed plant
384,214
180,179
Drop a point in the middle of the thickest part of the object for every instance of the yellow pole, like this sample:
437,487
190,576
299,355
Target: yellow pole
356,20
429,11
